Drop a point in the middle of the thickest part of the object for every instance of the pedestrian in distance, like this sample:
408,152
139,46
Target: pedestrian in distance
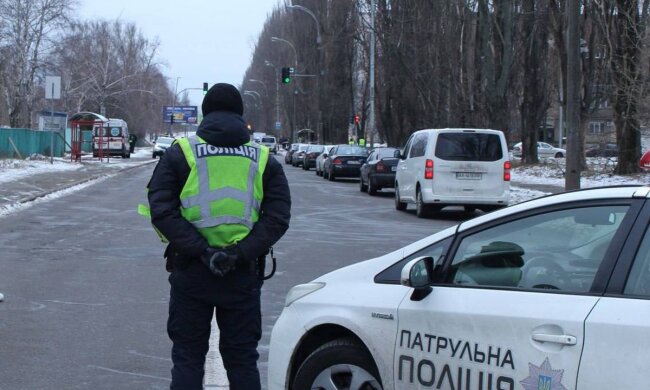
221,202
133,139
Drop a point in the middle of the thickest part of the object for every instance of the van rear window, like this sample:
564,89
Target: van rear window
469,147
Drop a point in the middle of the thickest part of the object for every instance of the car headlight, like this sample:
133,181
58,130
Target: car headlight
302,290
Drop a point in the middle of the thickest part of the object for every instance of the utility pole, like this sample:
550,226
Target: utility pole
572,177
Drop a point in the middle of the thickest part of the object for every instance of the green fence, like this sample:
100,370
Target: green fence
28,142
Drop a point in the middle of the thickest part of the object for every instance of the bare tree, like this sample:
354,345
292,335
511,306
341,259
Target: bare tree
111,67
535,89
625,24
28,27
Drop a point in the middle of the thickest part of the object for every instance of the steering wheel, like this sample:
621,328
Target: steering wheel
553,272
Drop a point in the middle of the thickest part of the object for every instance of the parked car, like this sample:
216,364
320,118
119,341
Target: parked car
644,162
298,155
379,170
453,167
270,142
320,160
289,155
161,145
544,150
606,150
552,293
309,158
344,161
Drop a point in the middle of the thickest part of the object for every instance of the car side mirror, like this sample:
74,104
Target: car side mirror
418,274
399,154
324,154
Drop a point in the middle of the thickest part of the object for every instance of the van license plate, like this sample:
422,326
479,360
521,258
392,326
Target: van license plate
468,176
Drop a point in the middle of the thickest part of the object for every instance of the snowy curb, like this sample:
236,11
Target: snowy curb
89,180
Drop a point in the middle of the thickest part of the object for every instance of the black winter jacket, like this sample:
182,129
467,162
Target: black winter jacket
226,129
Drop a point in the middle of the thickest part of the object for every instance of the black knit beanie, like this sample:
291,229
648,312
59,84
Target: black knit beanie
222,97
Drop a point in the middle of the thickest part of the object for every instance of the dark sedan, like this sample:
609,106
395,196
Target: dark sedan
344,161
311,154
379,170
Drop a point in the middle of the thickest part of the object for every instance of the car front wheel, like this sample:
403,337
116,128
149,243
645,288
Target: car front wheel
338,364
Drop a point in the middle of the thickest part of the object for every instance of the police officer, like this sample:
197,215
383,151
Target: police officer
221,202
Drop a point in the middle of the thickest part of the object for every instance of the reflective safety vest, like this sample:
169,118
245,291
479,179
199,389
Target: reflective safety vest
223,192
362,142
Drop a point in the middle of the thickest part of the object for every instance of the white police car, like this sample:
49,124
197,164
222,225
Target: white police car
552,294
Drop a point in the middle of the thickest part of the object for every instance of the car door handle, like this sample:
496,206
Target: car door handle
563,339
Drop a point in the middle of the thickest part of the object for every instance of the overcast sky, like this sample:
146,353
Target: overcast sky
200,40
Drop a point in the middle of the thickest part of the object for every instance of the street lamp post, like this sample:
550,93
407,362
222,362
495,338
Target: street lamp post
277,93
308,11
319,45
266,92
295,91
257,98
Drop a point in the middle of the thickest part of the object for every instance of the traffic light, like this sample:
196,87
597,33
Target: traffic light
286,75
205,88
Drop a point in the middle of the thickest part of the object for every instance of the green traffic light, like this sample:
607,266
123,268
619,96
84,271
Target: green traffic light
286,80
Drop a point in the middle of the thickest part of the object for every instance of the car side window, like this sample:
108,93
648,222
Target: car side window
437,251
560,250
638,281
419,145
407,147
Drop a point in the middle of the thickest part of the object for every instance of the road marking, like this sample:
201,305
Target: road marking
215,374
136,353
129,373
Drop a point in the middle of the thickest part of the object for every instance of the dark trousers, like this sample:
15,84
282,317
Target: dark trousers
195,296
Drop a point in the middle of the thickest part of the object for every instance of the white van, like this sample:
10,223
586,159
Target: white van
270,142
111,138
447,167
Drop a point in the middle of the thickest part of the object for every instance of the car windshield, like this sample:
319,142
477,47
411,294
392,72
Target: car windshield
385,152
351,151
302,148
164,141
315,148
469,147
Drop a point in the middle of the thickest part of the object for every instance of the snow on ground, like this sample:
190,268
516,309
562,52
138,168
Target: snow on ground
14,169
599,173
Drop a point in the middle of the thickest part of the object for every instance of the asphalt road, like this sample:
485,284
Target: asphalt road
86,292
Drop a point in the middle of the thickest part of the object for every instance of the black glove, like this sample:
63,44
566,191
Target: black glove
220,261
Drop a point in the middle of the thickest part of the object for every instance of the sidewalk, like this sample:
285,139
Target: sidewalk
28,188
